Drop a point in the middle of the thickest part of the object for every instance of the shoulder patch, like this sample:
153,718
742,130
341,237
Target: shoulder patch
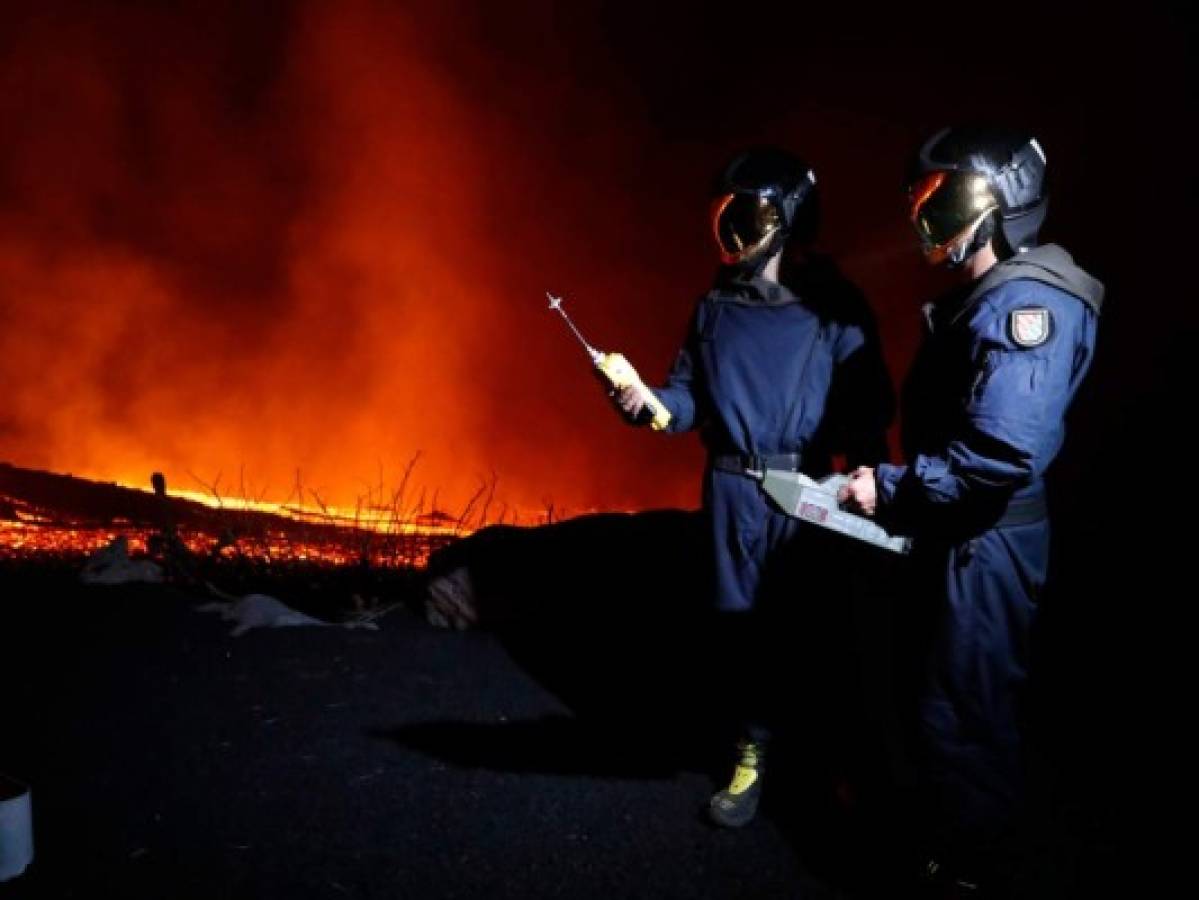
1031,326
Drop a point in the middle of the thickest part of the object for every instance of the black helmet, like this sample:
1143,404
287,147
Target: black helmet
763,197
970,184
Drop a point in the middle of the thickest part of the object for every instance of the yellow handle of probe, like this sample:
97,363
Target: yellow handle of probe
620,373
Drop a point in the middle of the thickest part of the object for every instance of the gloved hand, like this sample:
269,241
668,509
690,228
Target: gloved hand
631,403
860,492
628,392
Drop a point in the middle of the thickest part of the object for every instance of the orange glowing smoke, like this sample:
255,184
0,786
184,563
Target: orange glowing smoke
308,238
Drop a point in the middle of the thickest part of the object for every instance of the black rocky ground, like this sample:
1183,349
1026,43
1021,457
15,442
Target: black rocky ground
569,756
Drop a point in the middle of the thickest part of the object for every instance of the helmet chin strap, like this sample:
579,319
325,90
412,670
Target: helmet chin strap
753,266
958,255
967,248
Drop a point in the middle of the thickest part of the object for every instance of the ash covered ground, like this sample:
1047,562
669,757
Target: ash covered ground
564,748
170,759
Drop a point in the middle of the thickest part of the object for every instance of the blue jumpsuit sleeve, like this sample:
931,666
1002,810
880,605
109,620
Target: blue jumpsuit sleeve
1012,425
680,394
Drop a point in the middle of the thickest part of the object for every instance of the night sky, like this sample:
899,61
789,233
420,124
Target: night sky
256,238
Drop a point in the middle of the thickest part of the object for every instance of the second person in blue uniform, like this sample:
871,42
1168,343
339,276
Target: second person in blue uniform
983,413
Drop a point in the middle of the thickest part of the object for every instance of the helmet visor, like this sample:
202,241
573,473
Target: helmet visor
947,205
744,223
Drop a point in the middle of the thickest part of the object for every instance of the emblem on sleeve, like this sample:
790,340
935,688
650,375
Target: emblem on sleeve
1030,327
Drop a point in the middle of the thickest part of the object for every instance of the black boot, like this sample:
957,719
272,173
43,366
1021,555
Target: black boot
737,804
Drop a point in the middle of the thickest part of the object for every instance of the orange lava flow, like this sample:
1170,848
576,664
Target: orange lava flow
30,542
309,538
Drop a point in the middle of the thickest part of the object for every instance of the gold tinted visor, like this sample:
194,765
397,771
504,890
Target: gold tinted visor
743,224
946,207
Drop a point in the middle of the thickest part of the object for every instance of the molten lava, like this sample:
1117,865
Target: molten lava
46,515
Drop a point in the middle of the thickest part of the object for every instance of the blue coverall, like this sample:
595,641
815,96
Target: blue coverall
983,417
768,370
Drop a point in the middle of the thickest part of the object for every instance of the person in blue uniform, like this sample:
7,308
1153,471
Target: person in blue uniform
982,415
781,368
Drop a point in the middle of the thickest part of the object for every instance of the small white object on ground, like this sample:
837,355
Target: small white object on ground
16,828
263,611
450,600
112,565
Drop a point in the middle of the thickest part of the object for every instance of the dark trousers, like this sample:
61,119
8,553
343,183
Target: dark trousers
781,643
983,596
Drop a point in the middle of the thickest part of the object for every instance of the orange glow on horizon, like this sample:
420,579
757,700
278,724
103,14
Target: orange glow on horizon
308,281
